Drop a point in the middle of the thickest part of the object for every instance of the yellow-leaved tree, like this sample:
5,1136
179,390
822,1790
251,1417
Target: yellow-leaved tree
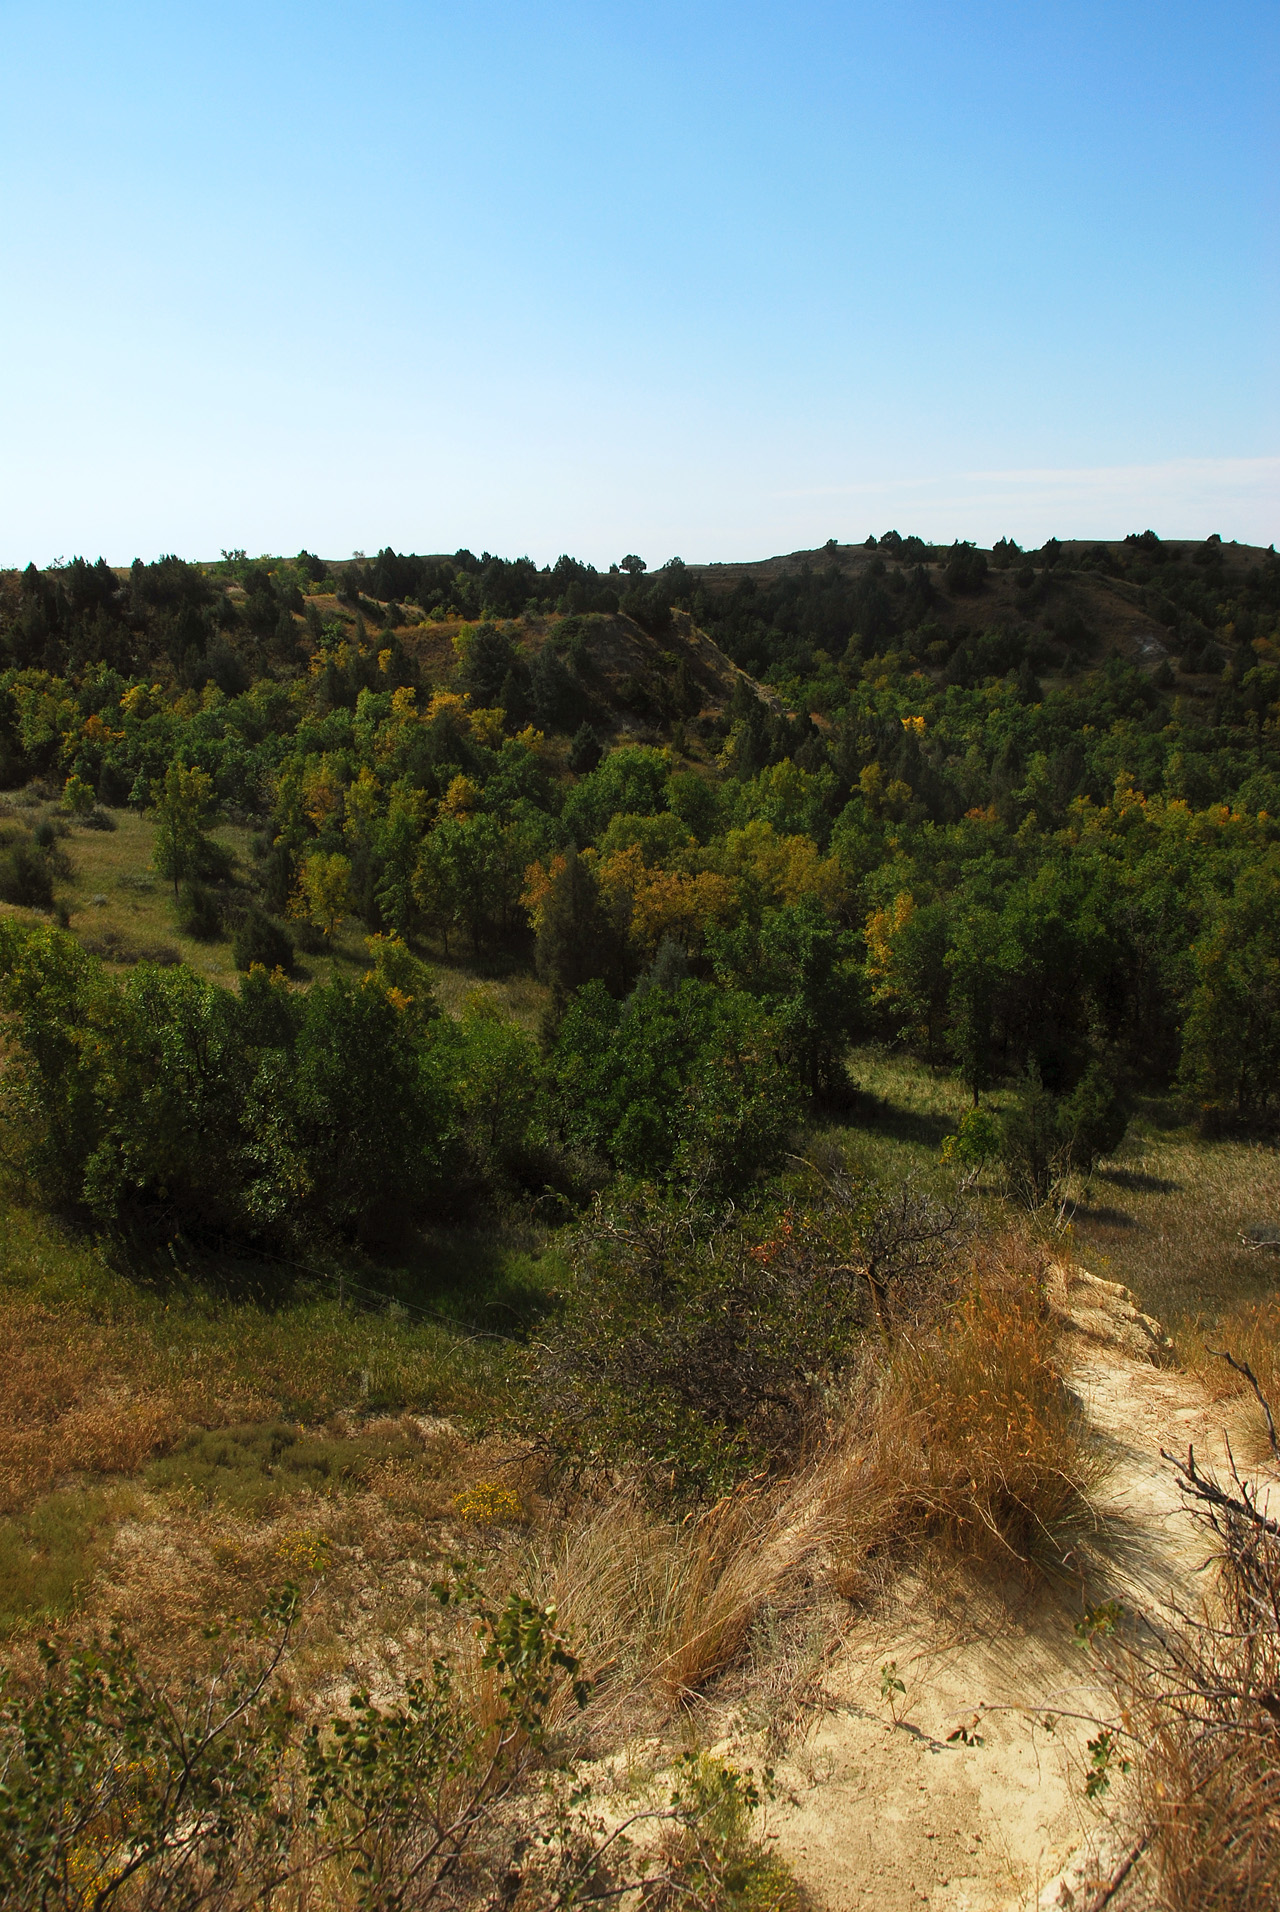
324,889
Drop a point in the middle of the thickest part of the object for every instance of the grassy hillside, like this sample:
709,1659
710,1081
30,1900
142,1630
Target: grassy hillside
567,1087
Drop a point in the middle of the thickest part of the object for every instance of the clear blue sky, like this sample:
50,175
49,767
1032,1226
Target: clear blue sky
700,278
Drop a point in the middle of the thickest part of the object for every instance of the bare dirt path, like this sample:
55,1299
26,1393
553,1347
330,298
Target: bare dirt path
876,1807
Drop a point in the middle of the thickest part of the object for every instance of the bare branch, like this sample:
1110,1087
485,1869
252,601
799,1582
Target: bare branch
1243,1369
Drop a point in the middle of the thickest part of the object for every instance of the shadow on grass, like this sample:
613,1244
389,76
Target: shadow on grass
491,1279
877,1114
485,1279
1105,1216
1135,1179
496,962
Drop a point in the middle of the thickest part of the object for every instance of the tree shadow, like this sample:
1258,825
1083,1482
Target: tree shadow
1135,1179
1104,1215
864,1110
477,1279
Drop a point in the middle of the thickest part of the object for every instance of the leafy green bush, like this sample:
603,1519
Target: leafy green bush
122,1790
262,1112
682,1083
1043,1136
25,876
697,1344
198,913
977,1139
260,940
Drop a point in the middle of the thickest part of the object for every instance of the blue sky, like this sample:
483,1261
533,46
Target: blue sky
708,279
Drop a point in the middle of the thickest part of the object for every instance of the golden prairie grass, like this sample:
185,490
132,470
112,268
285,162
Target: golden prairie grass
1251,1333
304,1357
1211,1807
961,1442
118,1406
73,1402
659,1608
969,1442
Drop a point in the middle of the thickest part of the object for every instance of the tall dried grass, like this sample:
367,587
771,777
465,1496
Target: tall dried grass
1250,1333
1202,1709
962,1444
968,1442
658,1609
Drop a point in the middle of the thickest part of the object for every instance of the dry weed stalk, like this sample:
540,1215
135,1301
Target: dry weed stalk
1202,1708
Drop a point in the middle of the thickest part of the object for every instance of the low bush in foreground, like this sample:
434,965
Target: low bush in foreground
458,1790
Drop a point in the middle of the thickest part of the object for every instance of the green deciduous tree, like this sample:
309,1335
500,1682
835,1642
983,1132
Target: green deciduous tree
181,813
324,889
576,939
800,966
685,1082
1231,1039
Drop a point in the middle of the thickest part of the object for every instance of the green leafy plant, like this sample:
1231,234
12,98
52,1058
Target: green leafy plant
112,1784
1103,1758
891,1687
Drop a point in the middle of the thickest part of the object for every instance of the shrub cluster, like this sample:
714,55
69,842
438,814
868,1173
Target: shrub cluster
121,1790
354,1107
259,1112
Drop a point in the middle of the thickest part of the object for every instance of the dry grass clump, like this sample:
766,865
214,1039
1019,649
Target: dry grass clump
967,1439
1202,1711
728,1564
70,1404
1251,1334
961,1443
658,1609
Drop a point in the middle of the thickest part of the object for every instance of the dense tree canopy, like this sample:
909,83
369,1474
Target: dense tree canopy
950,813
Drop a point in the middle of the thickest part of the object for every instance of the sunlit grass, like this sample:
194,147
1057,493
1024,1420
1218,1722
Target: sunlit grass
121,1371
516,994
1167,1216
900,1114
122,910
49,1553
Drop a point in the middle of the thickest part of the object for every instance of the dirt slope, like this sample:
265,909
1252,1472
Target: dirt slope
887,1814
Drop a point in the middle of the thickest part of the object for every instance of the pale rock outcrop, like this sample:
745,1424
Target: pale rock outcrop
1104,1312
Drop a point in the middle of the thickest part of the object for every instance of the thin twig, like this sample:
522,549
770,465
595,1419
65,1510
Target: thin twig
1102,1899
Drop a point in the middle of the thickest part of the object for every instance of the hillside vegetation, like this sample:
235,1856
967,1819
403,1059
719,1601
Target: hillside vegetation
537,1107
